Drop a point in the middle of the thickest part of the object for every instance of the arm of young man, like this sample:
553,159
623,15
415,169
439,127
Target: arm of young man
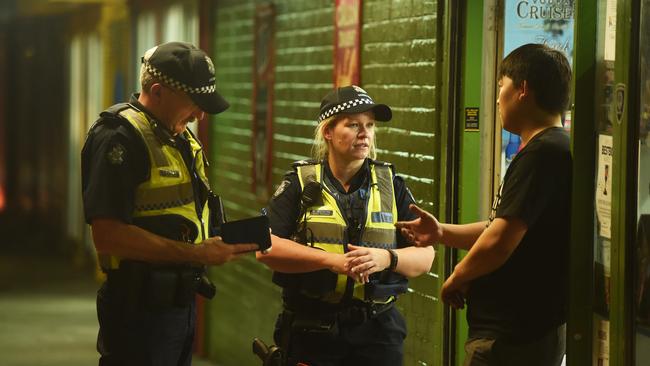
538,176
425,230
491,250
411,261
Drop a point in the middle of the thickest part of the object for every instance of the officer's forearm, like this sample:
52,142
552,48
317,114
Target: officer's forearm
290,257
116,238
414,261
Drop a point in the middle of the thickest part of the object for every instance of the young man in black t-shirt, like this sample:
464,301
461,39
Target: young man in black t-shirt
514,277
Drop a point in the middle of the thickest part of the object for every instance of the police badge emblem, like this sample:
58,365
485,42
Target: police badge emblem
281,188
210,65
116,155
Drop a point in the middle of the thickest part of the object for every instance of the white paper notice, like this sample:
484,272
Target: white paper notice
603,343
610,31
604,186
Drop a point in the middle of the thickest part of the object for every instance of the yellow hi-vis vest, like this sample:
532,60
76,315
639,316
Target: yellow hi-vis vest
327,228
169,189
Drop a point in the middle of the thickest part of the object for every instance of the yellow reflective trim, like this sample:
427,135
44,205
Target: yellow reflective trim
142,124
374,201
307,173
108,261
341,280
158,198
384,179
163,194
328,229
375,237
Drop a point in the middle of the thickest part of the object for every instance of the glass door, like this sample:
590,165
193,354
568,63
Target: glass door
642,275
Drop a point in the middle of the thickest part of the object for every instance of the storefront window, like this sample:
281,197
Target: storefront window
545,22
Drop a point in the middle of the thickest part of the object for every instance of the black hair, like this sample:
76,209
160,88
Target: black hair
546,71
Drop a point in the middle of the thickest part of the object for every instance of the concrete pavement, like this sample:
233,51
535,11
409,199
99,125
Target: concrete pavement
47,312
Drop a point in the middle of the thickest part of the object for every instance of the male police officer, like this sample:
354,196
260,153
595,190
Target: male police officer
145,194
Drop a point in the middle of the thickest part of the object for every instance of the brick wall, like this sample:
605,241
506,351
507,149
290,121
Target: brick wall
247,302
400,67
400,61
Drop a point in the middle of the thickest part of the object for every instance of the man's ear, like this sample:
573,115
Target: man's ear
524,90
156,90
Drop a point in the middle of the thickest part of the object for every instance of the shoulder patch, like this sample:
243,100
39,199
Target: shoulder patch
281,188
115,155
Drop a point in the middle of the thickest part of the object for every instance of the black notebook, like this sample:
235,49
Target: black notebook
251,230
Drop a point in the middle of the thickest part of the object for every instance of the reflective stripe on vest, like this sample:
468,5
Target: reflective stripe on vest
327,226
169,189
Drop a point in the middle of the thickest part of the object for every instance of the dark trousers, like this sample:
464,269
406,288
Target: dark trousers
546,351
143,336
377,341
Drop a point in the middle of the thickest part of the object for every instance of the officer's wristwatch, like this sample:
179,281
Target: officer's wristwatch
393,260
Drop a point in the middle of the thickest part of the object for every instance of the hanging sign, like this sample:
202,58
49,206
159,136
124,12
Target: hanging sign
347,32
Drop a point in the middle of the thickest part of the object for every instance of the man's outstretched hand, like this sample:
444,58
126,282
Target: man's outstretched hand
423,231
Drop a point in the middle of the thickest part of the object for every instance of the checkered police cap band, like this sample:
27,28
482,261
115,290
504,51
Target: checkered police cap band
343,107
175,83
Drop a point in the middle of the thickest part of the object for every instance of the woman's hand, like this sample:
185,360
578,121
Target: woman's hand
362,262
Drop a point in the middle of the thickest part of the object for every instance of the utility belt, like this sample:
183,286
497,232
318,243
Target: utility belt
319,283
309,315
138,285
302,316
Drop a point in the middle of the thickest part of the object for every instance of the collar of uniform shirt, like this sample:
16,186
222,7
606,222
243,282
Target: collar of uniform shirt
357,181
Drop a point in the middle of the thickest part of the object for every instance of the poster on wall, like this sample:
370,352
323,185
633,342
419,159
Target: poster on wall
347,32
535,21
546,22
263,81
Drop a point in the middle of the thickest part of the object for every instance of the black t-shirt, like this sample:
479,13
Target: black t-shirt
284,207
526,297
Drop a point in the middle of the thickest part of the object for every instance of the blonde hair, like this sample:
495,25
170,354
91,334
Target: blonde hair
320,148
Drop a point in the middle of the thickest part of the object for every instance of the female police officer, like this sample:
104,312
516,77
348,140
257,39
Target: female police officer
336,252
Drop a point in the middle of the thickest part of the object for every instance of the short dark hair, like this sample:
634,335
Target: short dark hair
546,71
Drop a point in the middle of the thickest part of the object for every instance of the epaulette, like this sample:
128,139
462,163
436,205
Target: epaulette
382,163
298,163
112,117
114,110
